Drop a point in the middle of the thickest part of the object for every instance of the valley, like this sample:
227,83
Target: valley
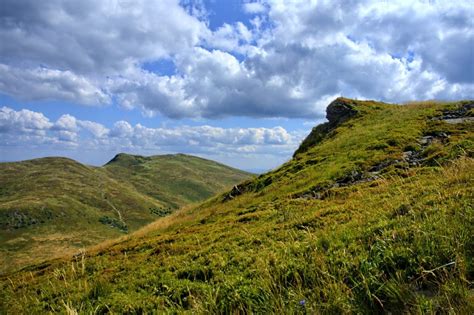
54,206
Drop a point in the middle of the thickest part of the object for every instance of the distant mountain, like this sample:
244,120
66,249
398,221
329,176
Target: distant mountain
52,206
373,215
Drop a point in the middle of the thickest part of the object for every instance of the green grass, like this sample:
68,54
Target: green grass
399,240
54,206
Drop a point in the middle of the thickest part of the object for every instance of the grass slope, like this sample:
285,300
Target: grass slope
375,215
176,180
53,206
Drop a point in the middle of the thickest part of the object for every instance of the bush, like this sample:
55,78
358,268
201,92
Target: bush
114,223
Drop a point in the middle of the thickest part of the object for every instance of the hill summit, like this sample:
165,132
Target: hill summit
373,214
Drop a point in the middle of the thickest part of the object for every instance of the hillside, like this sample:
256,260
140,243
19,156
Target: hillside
176,180
53,206
373,214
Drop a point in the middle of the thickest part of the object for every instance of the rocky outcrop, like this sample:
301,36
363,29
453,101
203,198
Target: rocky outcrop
339,111
464,113
254,185
237,190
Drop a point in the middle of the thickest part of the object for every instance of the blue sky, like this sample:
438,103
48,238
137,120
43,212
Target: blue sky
240,82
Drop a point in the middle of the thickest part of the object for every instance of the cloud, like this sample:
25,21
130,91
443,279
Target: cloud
216,84
441,33
200,136
254,7
94,37
24,126
66,122
290,57
22,122
122,129
49,84
235,38
96,129
30,129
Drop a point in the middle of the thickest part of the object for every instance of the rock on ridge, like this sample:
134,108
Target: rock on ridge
340,110
337,112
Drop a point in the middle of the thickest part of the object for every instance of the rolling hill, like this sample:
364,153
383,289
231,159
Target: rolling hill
373,214
52,206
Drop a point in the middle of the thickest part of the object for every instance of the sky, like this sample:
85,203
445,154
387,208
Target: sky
237,81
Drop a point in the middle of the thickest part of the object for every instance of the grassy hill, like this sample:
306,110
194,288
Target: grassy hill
176,180
373,214
52,206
